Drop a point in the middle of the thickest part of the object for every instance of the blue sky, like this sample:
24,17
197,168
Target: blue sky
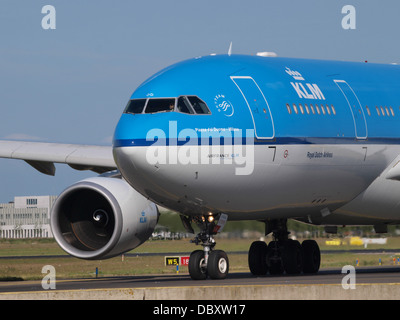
71,84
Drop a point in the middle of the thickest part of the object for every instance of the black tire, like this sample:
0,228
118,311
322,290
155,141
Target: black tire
274,259
258,258
196,271
218,264
292,257
312,256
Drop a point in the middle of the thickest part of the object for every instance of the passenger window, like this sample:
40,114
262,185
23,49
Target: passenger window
316,107
333,109
387,111
328,110
160,105
312,108
135,106
382,111
323,109
198,105
391,111
301,108
184,105
368,111
377,111
288,108
307,110
295,108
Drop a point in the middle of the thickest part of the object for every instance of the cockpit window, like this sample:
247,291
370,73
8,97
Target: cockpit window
184,105
199,106
135,106
159,105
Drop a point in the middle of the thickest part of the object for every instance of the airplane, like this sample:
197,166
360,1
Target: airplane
236,137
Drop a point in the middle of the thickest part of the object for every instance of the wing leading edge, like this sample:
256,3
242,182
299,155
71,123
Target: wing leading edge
42,155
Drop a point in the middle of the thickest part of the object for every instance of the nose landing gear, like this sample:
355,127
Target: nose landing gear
208,262
283,254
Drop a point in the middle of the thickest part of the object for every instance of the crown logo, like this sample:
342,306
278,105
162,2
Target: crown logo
295,74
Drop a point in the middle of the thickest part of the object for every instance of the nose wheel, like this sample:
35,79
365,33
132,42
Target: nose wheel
217,266
208,262
197,265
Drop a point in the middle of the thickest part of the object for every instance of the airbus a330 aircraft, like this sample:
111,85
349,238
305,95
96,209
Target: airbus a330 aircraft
233,137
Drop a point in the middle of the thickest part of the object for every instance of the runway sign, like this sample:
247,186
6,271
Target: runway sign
176,260
185,261
171,261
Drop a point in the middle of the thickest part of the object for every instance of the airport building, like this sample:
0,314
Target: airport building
26,217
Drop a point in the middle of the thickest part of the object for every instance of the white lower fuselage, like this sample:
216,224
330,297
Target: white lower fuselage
315,183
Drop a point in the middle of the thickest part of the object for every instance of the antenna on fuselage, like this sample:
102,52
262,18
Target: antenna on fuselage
230,49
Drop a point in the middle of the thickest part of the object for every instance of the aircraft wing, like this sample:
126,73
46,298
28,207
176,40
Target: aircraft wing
42,156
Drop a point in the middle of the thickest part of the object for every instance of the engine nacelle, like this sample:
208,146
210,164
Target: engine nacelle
101,217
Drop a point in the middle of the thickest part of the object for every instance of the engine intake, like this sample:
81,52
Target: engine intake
102,217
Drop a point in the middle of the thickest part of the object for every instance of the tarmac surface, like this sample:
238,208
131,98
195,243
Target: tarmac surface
377,283
363,275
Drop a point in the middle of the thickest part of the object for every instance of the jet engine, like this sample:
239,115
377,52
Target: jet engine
102,217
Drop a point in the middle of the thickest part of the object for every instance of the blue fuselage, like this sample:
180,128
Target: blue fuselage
374,85
322,132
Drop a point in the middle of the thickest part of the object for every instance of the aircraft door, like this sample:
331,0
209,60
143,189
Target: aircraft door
258,106
360,123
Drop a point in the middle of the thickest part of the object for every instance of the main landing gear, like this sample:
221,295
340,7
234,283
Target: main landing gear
207,262
280,255
283,254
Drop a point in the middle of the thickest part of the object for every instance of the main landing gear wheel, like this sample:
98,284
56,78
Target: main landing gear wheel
258,258
274,259
292,257
283,254
312,256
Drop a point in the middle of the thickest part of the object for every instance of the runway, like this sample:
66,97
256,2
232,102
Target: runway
384,275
